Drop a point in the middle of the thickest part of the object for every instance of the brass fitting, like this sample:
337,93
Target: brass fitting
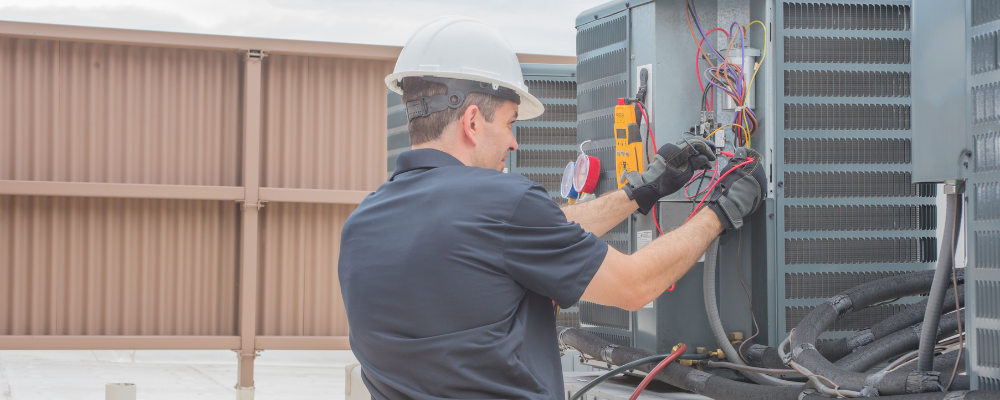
700,350
735,337
686,363
676,347
718,353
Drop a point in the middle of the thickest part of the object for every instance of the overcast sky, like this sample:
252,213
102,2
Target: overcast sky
539,26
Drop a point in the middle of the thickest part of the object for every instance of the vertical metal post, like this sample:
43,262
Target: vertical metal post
250,209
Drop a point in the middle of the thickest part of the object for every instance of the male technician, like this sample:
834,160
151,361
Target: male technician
450,268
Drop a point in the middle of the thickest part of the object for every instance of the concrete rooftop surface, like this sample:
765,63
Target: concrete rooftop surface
170,374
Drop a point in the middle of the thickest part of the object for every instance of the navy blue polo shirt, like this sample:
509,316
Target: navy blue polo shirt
448,273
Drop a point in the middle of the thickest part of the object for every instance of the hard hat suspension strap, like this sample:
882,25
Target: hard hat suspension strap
457,90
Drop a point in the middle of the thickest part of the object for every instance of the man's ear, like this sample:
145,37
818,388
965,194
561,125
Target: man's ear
471,123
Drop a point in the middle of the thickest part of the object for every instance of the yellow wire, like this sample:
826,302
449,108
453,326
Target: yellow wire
723,127
754,77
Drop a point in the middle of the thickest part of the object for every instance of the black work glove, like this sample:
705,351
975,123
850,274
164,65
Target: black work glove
673,167
741,192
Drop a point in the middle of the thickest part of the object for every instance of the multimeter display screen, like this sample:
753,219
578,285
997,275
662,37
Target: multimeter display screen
621,133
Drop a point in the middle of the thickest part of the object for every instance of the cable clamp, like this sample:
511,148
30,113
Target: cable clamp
606,353
562,343
740,108
870,389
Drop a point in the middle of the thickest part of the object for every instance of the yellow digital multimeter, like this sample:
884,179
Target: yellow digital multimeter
628,143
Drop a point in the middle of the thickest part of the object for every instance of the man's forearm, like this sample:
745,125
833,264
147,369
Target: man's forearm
665,260
599,215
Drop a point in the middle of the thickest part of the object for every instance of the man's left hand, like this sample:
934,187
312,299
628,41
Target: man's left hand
674,166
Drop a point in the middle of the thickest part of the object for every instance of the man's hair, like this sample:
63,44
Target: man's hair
426,129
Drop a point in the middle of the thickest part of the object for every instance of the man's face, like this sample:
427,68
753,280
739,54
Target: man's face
497,138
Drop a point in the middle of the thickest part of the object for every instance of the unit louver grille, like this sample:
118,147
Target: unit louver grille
541,135
985,103
544,158
551,89
984,11
860,218
861,250
869,17
557,113
847,50
984,53
854,184
988,249
988,299
847,151
856,321
614,339
595,128
987,201
847,116
823,285
601,35
604,96
550,182
988,351
606,316
847,83
398,140
602,66
987,152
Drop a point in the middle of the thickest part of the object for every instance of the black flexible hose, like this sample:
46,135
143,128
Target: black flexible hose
767,357
616,371
716,387
892,346
803,339
935,300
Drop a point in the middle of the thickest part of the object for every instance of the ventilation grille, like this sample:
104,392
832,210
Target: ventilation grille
856,321
534,135
988,299
569,319
987,201
620,245
985,103
557,113
987,383
604,96
398,140
546,89
847,83
544,158
847,151
606,316
854,184
861,250
867,17
823,285
988,347
985,11
988,249
595,128
551,182
987,156
603,66
984,53
621,228
847,116
860,218
847,50
604,34
396,120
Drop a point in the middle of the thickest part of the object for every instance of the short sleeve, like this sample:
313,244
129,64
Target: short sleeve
548,254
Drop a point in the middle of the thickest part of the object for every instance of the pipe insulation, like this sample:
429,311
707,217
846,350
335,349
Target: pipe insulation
898,343
803,339
717,387
715,321
942,275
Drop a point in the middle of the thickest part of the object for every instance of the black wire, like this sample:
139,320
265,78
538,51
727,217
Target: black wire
616,371
648,135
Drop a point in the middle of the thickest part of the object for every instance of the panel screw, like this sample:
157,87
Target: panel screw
626,5
966,164
780,183
771,215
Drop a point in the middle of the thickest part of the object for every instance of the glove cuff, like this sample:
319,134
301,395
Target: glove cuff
645,196
728,224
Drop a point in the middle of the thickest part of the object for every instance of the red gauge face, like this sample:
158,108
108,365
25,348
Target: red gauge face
588,170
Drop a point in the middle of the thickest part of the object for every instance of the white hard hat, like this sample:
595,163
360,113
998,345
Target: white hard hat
462,48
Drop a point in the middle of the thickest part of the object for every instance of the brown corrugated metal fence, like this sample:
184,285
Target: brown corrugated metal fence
177,191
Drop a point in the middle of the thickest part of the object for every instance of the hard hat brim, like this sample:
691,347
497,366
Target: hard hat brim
529,108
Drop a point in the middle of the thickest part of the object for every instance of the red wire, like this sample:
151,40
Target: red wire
748,161
656,370
652,140
697,68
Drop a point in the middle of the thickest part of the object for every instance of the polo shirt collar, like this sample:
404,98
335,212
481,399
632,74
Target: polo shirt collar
423,159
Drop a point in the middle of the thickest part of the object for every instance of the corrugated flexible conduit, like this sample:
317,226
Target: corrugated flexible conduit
935,301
